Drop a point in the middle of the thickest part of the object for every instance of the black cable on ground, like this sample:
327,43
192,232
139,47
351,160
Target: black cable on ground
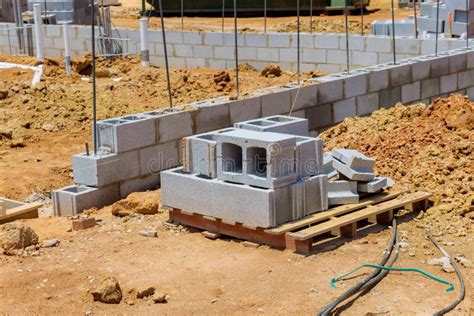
451,306
362,285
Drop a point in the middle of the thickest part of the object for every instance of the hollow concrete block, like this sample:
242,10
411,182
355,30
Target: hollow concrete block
377,184
277,124
104,169
74,199
342,192
172,126
354,159
355,85
275,101
126,133
378,79
154,159
309,156
330,90
327,165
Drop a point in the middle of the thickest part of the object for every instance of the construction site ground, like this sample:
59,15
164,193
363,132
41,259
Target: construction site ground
426,148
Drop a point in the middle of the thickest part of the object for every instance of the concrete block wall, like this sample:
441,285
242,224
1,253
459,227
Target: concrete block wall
327,101
319,51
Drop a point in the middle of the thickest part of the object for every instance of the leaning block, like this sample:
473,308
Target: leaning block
377,184
74,199
264,160
277,124
354,159
342,192
103,169
309,156
315,196
327,166
126,133
352,174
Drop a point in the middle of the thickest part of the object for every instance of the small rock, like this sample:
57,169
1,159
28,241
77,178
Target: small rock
160,298
412,254
16,235
463,261
3,94
443,261
107,291
142,293
48,243
403,244
48,127
149,233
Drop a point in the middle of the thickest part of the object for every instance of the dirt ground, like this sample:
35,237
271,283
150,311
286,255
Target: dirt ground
201,276
127,16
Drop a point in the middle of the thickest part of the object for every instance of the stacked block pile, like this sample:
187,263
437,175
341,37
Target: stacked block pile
460,15
264,173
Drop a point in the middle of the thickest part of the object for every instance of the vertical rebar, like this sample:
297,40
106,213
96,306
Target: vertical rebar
182,15
416,21
311,16
393,35
265,16
94,88
236,51
437,27
223,15
361,3
467,24
347,36
298,39
166,54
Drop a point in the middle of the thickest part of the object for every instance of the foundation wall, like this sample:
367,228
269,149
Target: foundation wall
319,51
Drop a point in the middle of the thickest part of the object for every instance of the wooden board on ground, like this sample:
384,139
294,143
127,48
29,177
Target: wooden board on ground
11,210
341,221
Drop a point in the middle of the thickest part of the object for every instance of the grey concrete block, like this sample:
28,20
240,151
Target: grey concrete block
126,133
440,66
159,157
327,165
343,109
319,116
262,159
421,69
211,116
430,88
243,110
74,199
377,184
400,75
457,62
449,84
172,126
355,85
277,124
342,192
105,169
304,96
309,196
144,183
275,101
466,79
378,80
366,104
411,92
390,97
330,90
354,159
309,156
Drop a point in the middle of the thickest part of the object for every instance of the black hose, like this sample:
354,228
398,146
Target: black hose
328,308
451,306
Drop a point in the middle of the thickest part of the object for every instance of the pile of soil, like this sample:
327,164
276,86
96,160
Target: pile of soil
61,102
423,148
323,25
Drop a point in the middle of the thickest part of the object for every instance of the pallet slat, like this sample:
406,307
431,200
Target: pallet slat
318,217
348,219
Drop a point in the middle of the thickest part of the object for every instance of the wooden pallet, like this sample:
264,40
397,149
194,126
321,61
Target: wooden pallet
341,221
11,210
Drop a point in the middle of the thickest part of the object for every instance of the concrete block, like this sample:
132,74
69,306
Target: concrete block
183,50
411,92
261,159
309,156
277,124
330,90
213,39
304,96
319,116
306,40
355,85
408,46
202,51
338,57
126,133
378,79
310,55
400,75
268,54
211,117
466,79
327,165
377,184
255,40
224,52
449,84
193,38
313,192
144,183
74,199
278,40
354,159
430,88
195,62
421,69
342,192
368,103
174,37
229,39
364,58
356,42
440,66
330,41
244,110
247,53
172,126
275,101
104,169
470,59
470,93
379,44
457,62
390,97
343,109
287,55
159,157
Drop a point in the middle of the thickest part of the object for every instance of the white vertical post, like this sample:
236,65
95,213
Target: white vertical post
38,31
145,51
67,48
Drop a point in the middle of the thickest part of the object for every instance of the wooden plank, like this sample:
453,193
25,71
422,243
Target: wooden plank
361,214
318,217
349,230
26,211
385,218
210,235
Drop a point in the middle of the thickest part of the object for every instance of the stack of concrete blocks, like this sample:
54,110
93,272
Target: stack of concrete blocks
356,175
260,173
456,8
